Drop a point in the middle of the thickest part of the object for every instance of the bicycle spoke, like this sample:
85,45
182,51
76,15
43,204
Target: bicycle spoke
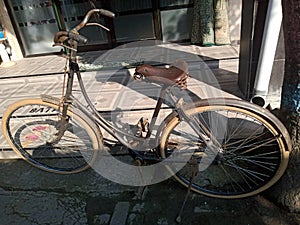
231,179
261,144
264,155
247,178
254,174
235,131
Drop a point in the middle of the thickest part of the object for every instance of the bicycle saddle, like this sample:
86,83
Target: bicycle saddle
169,76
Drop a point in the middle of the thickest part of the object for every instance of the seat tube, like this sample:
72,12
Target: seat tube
157,110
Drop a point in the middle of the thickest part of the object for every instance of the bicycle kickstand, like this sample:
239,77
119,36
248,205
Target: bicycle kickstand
193,170
142,189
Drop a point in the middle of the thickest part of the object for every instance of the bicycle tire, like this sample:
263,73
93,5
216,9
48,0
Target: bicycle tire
240,168
29,126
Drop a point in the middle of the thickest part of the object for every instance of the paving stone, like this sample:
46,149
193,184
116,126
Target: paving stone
32,208
102,219
120,214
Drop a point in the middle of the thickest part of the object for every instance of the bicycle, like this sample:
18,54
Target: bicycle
225,148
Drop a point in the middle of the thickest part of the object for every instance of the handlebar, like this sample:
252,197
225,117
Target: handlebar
77,37
61,36
90,13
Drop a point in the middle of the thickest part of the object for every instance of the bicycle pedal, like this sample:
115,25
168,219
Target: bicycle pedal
142,127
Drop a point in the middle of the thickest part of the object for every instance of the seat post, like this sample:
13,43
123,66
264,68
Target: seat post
157,109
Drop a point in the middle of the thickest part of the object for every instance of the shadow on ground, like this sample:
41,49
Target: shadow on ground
31,196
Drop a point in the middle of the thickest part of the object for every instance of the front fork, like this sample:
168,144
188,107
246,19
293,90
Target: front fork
65,104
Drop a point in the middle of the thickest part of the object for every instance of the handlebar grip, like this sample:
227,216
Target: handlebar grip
77,37
107,13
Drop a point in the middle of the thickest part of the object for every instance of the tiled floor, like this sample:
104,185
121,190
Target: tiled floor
163,53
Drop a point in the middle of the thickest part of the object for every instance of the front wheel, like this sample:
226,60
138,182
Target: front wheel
31,125
249,150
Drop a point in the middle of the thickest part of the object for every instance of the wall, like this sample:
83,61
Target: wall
10,33
234,16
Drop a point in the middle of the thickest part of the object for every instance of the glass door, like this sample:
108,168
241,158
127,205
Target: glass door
36,25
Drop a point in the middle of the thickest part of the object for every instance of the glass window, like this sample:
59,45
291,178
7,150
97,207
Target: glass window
166,3
130,5
176,24
134,27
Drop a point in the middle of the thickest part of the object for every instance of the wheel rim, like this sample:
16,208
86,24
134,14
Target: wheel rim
30,128
239,168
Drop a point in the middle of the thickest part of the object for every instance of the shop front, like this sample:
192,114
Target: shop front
36,22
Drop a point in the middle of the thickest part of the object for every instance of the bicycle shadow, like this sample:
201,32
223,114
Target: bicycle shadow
204,72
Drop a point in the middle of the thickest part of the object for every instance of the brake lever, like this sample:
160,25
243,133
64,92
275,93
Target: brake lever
97,24
65,46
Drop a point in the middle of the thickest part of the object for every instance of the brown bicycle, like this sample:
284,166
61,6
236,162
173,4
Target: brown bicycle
224,148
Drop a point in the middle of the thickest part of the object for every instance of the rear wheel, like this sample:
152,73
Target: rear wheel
249,151
31,125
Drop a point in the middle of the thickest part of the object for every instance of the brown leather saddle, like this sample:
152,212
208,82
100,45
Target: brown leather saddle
169,76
